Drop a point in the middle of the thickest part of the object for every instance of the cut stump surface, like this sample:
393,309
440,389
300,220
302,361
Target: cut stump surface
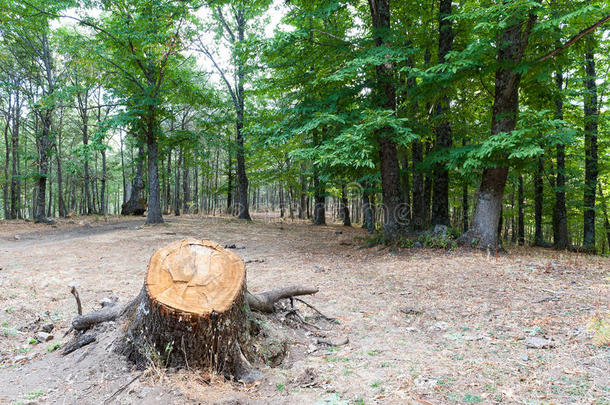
195,277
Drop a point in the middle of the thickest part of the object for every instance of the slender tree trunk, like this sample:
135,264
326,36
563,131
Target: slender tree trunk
186,198
538,202
591,169
43,143
511,45
154,193
440,194
303,196
560,217
230,183
177,184
394,223
520,218
602,199
15,182
319,209
345,207
465,206
5,187
419,195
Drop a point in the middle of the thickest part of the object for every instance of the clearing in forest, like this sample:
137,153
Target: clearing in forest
413,325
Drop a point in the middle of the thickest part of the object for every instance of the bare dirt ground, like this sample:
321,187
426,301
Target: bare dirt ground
424,326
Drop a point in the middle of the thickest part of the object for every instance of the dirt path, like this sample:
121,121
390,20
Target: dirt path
424,326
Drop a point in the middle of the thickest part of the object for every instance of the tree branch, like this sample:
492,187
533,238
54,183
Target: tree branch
573,40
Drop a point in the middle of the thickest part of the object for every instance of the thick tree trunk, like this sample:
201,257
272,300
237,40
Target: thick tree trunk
440,194
591,170
136,204
192,310
394,222
560,217
511,45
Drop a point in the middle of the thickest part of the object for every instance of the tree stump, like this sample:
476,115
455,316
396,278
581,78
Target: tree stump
192,310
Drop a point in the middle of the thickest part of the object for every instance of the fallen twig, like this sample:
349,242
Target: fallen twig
328,318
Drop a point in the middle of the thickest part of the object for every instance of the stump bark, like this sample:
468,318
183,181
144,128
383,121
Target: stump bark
192,310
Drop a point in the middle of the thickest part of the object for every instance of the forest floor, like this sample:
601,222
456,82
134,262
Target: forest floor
424,326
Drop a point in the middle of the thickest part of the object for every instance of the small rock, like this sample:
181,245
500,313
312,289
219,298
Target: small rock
43,337
47,327
524,357
536,342
417,245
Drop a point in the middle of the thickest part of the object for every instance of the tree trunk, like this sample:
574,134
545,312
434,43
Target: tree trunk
511,45
520,218
177,183
154,192
538,202
302,195
385,93
63,212
5,187
368,222
192,310
230,182
43,142
465,207
185,184
15,182
560,217
136,204
591,170
83,101
418,218
440,193
345,207
602,198
319,209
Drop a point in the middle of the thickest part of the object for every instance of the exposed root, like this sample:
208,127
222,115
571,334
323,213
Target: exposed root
81,341
84,322
263,302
